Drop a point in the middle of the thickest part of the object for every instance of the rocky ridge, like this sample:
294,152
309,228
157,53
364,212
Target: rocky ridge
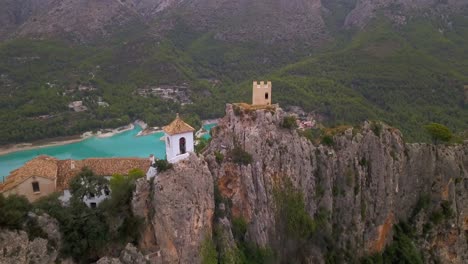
178,207
366,182
369,180
263,21
399,11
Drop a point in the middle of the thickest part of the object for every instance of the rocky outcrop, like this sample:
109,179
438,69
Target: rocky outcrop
129,255
84,21
17,248
366,182
400,10
179,208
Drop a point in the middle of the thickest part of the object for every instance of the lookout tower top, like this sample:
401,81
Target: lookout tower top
261,93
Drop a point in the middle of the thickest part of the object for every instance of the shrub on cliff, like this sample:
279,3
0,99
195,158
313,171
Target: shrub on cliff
291,212
219,157
240,156
438,132
13,211
289,122
208,252
328,140
401,250
376,127
293,222
247,252
163,165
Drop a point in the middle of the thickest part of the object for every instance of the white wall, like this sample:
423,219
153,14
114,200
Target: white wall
98,198
172,146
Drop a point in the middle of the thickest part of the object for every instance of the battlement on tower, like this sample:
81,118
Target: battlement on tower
261,93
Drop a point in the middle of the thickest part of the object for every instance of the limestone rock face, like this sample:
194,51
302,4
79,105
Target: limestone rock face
369,180
129,255
180,211
50,226
17,248
400,10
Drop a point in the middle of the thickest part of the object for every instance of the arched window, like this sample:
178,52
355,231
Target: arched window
182,145
266,96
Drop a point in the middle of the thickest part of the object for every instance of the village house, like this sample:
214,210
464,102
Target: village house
77,106
45,175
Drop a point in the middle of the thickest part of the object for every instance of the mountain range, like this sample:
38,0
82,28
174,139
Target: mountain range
403,62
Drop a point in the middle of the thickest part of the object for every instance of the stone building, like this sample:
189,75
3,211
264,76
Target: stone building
261,93
179,140
45,175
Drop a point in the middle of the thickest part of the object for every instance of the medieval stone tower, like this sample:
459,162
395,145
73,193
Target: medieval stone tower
261,93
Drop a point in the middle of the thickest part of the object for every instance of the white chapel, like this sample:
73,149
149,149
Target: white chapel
179,140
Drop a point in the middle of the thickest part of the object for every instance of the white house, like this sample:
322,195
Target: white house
179,140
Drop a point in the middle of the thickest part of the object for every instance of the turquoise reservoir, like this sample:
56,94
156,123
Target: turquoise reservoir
125,144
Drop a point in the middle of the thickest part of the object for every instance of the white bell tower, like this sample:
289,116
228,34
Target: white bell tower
179,140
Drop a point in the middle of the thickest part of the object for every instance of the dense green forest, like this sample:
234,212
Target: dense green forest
407,75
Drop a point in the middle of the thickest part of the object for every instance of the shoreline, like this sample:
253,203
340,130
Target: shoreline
60,141
41,144
210,121
103,133
113,132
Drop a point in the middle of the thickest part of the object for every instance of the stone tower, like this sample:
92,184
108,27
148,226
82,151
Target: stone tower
179,140
261,93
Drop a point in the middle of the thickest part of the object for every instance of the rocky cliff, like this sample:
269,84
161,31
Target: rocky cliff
366,182
362,184
401,10
19,247
178,207
355,189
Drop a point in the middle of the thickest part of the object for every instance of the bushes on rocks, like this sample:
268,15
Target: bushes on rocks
289,122
376,127
219,157
328,140
401,250
13,211
240,156
208,252
291,212
163,165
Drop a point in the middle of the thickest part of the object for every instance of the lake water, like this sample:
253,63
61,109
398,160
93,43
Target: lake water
125,144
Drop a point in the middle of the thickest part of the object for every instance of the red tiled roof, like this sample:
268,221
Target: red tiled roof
67,169
42,166
64,170
177,127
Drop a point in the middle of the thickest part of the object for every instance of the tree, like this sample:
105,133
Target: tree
86,183
13,211
438,132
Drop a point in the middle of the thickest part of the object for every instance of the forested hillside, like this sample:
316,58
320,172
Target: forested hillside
405,73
